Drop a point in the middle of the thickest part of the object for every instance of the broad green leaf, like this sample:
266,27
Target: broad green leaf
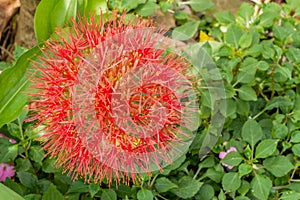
9,154
186,31
271,12
96,6
279,102
78,186
280,32
52,194
163,184
266,148
13,83
93,189
206,192
109,194
201,5
263,65
233,35
244,169
36,154
231,181
293,54
261,186
296,150
247,70
279,130
28,179
290,195
245,12
61,13
147,9
14,130
225,17
48,165
245,187
42,27
246,40
295,138
278,166
123,191
225,50
247,93
232,159
144,194
214,175
251,132
7,193
187,187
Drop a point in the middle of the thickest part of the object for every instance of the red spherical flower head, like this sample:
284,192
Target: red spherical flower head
115,100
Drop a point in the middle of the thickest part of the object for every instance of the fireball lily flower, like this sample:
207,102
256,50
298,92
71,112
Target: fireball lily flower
6,171
223,154
114,104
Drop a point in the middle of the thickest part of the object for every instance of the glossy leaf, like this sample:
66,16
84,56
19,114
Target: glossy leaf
13,84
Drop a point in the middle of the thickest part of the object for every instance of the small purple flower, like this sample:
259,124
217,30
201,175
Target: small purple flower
12,141
222,155
6,171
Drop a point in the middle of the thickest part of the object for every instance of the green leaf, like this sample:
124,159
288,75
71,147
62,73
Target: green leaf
9,154
48,165
231,181
252,132
96,6
42,27
278,166
296,150
290,195
262,65
7,193
214,175
245,12
147,9
123,191
14,130
271,12
295,138
163,185
232,159
62,12
233,35
279,131
225,17
247,71
266,148
261,186
36,154
293,54
186,31
13,82
78,186
52,194
244,169
246,40
280,32
144,194
28,179
247,93
109,194
206,192
201,5
187,187
93,189
245,187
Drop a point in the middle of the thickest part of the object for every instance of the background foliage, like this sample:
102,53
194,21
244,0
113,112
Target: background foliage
258,54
